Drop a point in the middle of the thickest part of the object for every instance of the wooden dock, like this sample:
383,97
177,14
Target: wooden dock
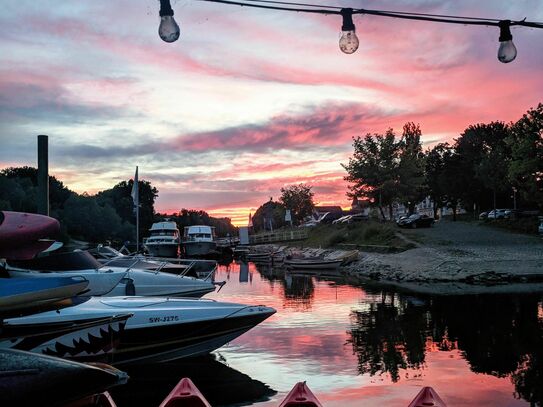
279,236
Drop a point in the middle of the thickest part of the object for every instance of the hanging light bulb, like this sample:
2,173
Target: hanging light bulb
168,28
507,51
348,43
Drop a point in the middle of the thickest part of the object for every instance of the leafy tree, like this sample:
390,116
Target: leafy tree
119,198
269,212
450,182
434,167
299,199
526,167
474,146
411,167
373,169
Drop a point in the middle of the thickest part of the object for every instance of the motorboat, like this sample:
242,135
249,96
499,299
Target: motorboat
312,263
161,329
29,379
129,281
199,240
78,337
24,235
19,294
164,240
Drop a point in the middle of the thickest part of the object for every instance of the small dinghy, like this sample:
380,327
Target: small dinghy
313,264
185,394
300,396
427,397
24,293
28,379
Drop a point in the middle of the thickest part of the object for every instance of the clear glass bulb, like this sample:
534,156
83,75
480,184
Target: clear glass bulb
507,51
168,29
348,43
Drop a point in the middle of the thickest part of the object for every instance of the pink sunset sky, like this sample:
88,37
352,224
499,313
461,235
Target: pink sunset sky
246,101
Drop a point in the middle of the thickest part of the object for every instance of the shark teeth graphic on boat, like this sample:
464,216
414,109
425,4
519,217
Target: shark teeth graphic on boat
93,341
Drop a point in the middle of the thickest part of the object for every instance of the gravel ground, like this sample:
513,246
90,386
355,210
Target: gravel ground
463,253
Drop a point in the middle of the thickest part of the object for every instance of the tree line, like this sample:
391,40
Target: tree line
105,216
489,165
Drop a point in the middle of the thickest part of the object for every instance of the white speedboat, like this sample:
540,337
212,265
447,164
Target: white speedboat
199,240
161,329
164,240
130,281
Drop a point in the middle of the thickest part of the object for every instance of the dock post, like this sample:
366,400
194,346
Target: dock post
43,175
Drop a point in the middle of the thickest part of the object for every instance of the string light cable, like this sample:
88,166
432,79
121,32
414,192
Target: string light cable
349,42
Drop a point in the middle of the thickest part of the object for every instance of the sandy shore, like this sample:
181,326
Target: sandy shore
458,258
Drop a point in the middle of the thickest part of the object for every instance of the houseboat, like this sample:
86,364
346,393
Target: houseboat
164,240
199,240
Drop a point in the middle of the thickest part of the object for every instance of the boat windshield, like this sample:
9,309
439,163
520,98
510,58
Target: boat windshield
68,261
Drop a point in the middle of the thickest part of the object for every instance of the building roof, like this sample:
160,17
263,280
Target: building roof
328,209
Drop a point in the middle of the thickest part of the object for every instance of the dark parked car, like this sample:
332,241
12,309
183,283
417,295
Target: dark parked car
415,221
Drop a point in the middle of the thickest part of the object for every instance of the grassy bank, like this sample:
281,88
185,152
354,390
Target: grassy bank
363,235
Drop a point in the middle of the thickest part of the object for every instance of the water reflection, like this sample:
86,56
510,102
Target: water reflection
356,343
498,335
220,384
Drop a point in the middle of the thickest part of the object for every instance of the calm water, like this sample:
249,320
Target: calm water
356,345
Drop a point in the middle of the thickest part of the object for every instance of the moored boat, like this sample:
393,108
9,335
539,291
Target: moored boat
312,264
23,293
199,240
28,379
300,396
427,397
185,394
162,329
108,280
164,240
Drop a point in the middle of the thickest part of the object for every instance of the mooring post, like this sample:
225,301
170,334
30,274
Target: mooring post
43,175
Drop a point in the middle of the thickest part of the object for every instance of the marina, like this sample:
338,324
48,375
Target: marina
355,343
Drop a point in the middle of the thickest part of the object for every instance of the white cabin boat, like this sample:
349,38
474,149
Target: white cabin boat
199,240
164,240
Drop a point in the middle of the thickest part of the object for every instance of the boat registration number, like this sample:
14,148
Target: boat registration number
171,318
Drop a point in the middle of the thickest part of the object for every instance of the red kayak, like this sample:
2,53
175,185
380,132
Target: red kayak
24,235
427,397
185,394
300,396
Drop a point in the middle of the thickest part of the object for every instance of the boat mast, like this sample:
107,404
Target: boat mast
136,197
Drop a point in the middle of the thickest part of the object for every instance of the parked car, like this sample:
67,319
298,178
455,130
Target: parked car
415,221
483,215
540,229
498,214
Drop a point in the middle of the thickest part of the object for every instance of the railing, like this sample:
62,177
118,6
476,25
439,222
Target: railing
279,236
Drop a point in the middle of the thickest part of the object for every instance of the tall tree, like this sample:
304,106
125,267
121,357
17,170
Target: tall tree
526,143
434,168
119,198
411,167
270,214
373,169
299,200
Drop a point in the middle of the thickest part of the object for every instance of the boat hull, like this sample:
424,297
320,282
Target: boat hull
163,250
199,248
29,379
313,265
162,329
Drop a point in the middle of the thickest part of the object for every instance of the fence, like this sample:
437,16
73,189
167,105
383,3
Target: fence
279,236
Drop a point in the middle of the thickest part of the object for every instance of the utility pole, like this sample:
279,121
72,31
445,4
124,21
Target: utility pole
43,175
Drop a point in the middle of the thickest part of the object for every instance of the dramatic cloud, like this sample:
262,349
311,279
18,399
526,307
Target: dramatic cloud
247,100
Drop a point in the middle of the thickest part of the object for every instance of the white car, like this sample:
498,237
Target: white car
541,226
497,214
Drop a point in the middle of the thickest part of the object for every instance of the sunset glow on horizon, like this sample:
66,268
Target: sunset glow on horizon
247,101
